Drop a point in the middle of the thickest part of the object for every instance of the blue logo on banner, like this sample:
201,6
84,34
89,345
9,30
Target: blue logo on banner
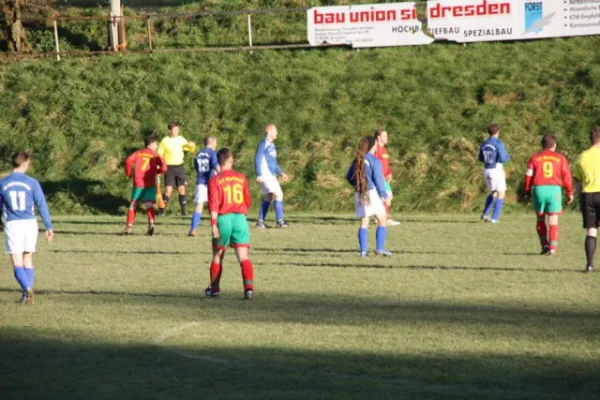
534,15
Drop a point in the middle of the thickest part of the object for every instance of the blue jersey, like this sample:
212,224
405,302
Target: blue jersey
493,152
19,194
265,161
205,164
374,174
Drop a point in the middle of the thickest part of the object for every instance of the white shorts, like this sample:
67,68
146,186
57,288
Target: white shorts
270,184
374,207
495,180
201,195
21,236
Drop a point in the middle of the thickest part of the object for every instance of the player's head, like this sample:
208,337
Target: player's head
173,128
151,142
20,161
493,129
366,145
549,142
225,157
271,132
211,142
595,136
381,136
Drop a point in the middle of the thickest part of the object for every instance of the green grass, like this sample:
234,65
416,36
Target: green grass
462,310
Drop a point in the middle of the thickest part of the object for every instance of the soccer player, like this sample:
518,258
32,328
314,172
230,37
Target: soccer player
267,170
148,165
19,193
228,201
172,149
381,137
205,164
370,196
586,173
547,173
493,154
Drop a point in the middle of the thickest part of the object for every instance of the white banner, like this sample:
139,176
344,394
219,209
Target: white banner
463,21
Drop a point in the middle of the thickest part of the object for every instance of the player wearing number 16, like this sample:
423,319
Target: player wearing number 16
19,194
493,155
228,201
547,173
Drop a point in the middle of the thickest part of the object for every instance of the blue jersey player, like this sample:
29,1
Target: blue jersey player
493,154
19,196
206,165
370,197
267,171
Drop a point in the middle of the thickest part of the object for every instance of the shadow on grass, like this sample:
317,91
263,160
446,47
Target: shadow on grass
144,252
141,232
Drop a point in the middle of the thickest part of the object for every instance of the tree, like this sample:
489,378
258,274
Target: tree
11,23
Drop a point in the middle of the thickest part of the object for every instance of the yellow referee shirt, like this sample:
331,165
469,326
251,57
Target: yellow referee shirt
587,170
172,149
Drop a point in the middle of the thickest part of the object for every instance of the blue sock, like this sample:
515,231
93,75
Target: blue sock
196,217
380,236
264,209
30,272
21,277
279,210
488,204
363,239
497,209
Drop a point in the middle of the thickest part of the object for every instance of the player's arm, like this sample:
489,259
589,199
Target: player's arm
40,203
188,146
215,162
258,158
529,174
379,180
502,153
129,164
567,178
481,156
213,205
350,176
197,165
247,198
1,208
162,165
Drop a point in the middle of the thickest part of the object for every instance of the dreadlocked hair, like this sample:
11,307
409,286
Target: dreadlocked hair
362,185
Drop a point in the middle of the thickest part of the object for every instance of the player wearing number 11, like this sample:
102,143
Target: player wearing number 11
547,173
228,202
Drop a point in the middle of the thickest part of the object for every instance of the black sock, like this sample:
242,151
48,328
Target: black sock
165,199
183,204
590,250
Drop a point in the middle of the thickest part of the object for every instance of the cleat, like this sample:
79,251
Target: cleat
589,269
150,230
192,233
23,299
391,222
211,293
364,254
30,299
494,221
128,231
282,224
184,214
486,218
248,294
261,225
161,212
545,250
383,253
551,253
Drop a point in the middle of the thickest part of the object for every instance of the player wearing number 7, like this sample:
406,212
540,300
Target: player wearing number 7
547,173
19,194
228,202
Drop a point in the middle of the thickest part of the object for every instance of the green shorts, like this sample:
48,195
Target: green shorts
388,187
233,231
143,194
547,199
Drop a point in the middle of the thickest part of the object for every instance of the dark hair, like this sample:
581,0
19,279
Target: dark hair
208,139
548,141
595,135
223,155
19,158
378,133
148,140
364,146
172,124
493,129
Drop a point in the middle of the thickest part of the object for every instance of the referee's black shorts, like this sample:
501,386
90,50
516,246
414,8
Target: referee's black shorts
590,209
175,175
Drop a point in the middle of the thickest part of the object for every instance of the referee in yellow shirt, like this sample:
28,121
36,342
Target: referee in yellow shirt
587,181
172,149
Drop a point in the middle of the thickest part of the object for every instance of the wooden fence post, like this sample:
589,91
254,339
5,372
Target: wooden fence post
56,41
149,26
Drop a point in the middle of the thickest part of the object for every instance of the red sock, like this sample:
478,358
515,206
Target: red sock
387,210
542,233
247,274
151,212
553,237
131,216
215,276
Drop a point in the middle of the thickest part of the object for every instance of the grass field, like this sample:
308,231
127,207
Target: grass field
462,310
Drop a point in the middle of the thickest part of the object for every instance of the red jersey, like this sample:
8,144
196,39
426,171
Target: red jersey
548,168
228,193
383,157
148,164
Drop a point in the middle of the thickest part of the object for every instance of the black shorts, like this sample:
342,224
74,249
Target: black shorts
590,209
175,176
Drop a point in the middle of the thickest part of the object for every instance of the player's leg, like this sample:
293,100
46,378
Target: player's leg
378,209
169,184
500,187
200,197
553,197
489,200
240,241
264,207
542,231
224,223
20,275
590,223
181,182
363,236
30,273
14,237
553,233
151,214
541,209
278,196
136,196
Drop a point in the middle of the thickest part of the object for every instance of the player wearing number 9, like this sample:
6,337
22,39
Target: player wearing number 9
547,173
228,202
19,195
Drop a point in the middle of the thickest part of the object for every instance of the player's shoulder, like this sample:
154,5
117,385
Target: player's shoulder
239,175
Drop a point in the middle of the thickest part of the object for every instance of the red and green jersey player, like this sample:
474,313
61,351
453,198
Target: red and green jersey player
228,202
547,173
145,165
